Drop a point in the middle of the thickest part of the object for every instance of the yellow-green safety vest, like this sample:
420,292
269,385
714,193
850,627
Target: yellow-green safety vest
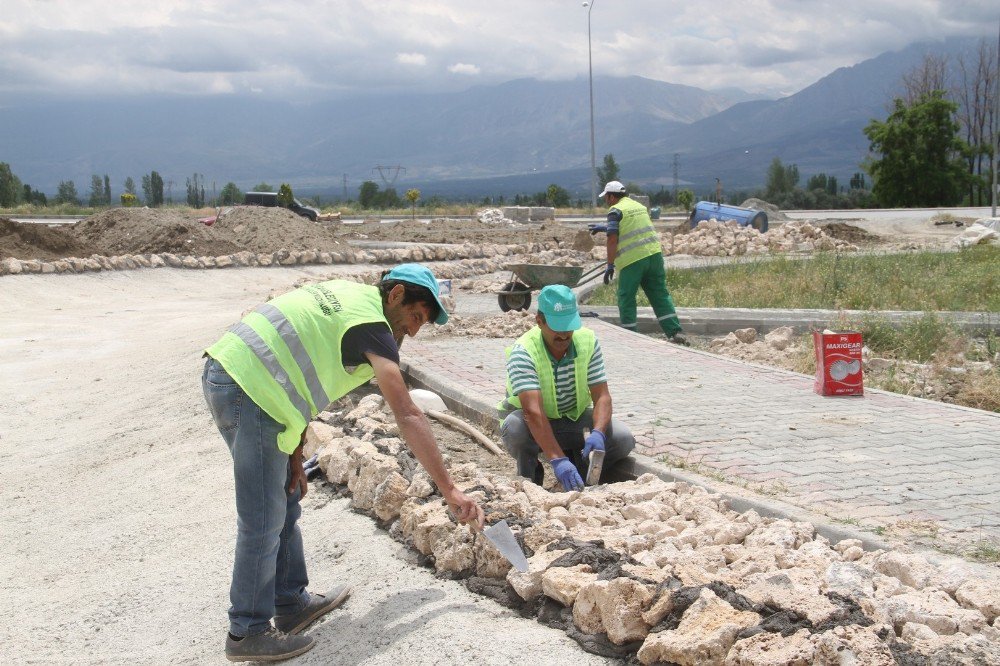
286,354
637,238
534,344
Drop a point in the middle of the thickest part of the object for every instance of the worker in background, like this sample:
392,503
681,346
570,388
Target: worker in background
634,252
556,391
264,380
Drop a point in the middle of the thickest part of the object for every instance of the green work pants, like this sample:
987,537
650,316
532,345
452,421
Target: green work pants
649,274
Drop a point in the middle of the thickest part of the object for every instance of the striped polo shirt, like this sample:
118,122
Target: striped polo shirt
524,377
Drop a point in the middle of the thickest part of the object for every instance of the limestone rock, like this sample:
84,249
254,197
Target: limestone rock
773,649
367,472
981,595
704,636
780,337
847,646
793,589
563,583
528,585
746,335
913,570
622,604
389,496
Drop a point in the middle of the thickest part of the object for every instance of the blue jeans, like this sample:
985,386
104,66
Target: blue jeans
517,438
269,573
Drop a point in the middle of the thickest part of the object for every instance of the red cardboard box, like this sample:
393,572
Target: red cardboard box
838,363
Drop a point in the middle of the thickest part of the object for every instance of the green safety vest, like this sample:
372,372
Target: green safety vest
532,341
286,354
637,238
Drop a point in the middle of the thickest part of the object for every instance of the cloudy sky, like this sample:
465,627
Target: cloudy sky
78,47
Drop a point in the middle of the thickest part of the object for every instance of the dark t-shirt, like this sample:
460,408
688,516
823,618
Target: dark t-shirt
375,338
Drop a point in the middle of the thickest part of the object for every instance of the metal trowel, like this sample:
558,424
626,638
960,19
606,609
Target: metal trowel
503,540
594,467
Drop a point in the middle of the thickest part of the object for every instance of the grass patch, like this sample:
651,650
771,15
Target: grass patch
984,551
959,281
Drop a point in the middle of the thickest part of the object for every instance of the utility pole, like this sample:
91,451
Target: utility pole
996,127
590,71
345,187
676,172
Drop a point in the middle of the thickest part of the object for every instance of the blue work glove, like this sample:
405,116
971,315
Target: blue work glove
597,228
594,442
609,274
567,474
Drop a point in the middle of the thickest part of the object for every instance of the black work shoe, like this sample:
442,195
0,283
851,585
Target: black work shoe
679,339
319,605
272,645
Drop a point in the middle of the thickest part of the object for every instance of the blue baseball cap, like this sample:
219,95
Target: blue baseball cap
420,275
558,303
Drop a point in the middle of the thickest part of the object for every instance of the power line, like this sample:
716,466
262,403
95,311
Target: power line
389,174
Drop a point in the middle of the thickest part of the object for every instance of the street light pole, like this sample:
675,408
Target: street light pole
996,128
590,71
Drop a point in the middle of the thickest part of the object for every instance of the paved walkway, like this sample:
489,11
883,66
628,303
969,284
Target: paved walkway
884,463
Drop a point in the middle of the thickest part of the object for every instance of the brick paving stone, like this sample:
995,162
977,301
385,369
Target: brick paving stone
883,455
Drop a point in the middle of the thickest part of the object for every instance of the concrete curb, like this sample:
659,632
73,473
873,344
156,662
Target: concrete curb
480,411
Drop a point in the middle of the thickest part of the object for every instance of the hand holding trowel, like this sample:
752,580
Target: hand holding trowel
593,453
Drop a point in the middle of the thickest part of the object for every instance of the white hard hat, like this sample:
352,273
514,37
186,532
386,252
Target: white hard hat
614,187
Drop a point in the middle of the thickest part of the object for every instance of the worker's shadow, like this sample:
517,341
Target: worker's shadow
343,639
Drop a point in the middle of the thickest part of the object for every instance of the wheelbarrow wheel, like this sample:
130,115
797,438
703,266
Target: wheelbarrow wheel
516,301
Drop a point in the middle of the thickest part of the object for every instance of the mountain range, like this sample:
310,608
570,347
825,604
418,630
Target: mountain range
516,137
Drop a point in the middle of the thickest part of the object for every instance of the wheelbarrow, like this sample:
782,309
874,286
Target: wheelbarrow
516,294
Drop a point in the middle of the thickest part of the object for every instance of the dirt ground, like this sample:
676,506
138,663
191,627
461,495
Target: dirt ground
116,494
243,228
262,230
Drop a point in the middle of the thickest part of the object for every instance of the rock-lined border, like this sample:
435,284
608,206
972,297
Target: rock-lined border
96,263
667,572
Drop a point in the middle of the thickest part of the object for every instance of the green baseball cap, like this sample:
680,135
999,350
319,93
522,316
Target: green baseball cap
420,275
558,303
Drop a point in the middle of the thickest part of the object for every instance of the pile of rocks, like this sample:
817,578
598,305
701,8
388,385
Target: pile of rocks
11,266
493,216
780,348
510,324
713,238
666,572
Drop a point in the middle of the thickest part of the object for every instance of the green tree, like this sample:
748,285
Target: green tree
157,185
96,191
557,196
107,190
412,196
781,179
917,154
66,193
607,172
230,195
285,196
152,189
262,187
367,194
129,186
10,186
685,198
196,191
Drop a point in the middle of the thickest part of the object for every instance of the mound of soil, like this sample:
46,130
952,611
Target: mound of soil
446,230
146,230
851,234
39,241
258,229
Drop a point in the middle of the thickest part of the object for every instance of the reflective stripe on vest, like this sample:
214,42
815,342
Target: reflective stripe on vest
637,239
286,354
270,361
291,338
584,341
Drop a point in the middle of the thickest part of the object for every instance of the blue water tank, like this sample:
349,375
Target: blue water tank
746,217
